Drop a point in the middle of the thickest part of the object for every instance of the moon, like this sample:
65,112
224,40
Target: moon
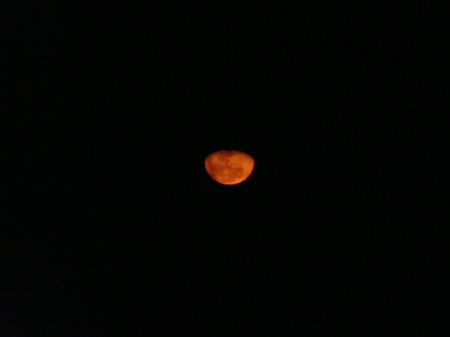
229,167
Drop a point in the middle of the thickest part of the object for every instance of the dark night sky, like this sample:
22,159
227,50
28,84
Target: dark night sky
112,222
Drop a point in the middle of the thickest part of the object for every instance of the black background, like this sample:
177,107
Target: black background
113,225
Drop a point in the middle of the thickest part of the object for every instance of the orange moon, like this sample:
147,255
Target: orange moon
229,167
